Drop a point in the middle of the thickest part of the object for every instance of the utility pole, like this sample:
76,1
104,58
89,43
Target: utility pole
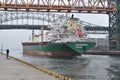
1,48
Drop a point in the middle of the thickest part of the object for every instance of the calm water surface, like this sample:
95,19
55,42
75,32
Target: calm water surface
85,67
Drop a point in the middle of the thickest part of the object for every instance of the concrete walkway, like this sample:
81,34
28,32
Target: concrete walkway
15,70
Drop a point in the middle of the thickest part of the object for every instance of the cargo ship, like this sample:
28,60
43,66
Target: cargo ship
63,40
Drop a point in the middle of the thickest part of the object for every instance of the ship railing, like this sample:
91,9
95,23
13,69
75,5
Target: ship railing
85,39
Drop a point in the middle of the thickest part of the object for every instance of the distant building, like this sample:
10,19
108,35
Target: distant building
101,43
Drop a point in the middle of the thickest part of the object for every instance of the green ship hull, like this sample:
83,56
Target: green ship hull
56,49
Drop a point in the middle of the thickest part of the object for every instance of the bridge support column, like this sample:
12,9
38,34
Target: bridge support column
114,28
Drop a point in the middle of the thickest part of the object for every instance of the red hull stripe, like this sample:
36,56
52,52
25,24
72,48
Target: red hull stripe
52,54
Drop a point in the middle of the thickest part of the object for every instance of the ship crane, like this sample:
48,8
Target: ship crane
37,36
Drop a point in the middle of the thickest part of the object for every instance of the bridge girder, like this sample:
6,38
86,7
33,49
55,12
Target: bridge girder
76,6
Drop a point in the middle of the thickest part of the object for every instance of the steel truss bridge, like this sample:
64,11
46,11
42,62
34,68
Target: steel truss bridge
110,7
47,17
78,6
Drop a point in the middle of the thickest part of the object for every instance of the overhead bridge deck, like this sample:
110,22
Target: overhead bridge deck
45,27
37,27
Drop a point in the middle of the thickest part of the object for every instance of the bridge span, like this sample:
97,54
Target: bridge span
88,29
76,6
46,27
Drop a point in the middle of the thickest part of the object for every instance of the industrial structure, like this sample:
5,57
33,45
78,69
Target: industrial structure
114,28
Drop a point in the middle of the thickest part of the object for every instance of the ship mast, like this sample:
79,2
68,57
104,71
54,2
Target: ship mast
32,35
42,33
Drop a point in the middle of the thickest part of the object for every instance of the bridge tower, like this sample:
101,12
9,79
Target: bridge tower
114,28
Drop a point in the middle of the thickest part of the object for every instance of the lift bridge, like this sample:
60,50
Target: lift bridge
110,7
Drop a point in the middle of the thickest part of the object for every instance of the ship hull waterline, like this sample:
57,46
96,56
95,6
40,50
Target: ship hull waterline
49,54
57,49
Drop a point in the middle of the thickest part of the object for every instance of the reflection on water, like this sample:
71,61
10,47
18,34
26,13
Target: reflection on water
85,67
114,69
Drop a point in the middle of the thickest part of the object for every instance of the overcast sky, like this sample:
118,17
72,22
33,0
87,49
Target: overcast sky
98,19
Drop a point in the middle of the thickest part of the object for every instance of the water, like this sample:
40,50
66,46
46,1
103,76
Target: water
85,67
